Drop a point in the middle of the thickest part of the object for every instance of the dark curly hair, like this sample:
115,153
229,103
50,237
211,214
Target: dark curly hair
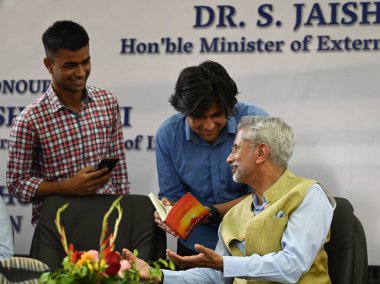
64,35
198,87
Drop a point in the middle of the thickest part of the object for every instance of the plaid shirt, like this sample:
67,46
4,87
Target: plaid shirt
50,142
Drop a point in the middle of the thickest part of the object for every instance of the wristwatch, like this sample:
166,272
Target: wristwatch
214,217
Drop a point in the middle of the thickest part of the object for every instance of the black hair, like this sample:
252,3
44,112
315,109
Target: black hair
64,35
198,87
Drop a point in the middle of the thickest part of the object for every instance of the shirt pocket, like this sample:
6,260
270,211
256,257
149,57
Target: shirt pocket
101,139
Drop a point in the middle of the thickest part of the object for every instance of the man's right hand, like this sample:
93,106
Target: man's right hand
87,181
158,220
206,258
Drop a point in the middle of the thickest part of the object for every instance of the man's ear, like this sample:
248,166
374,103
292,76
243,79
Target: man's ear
263,153
49,65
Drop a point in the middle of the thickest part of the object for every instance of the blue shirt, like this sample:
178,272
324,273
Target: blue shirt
303,237
187,163
6,233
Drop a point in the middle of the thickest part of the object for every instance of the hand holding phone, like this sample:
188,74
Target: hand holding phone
108,163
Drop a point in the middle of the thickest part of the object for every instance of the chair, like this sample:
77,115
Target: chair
21,270
82,220
347,248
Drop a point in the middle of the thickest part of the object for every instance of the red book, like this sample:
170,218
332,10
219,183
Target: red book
183,216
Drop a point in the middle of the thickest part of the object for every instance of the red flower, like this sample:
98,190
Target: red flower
74,254
113,262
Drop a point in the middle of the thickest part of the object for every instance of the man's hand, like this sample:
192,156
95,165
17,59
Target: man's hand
87,181
206,258
158,220
141,265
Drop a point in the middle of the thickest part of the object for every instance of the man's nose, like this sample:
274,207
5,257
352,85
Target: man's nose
80,71
209,124
230,158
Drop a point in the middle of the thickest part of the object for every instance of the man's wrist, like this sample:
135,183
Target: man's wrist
214,217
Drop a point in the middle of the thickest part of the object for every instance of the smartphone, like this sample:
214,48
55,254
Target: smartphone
108,163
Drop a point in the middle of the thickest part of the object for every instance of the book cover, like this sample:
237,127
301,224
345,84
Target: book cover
183,216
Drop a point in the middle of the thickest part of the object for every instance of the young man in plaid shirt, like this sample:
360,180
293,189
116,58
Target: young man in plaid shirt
58,140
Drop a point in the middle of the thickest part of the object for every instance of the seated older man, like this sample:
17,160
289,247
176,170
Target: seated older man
275,235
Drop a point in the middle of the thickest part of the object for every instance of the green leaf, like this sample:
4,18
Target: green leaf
83,271
171,265
68,280
135,252
44,277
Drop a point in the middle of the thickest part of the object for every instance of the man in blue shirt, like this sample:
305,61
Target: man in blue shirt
192,146
6,233
275,235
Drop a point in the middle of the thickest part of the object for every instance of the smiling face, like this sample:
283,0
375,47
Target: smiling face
210,124
70,70
242,159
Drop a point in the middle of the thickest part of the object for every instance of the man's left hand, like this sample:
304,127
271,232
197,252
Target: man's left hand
141,265
206,258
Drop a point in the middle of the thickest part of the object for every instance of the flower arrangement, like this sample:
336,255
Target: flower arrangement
103,266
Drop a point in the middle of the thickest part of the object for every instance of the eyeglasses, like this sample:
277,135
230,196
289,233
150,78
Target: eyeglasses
235,148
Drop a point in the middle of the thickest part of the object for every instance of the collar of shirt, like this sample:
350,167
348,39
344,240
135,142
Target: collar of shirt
56,103
256,207
229,129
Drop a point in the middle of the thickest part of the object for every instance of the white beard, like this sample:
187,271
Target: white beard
235,176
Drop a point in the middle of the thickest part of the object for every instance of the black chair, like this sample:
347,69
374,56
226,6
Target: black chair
82,220
347,248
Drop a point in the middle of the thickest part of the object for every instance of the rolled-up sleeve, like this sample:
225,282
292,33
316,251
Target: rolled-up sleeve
22,148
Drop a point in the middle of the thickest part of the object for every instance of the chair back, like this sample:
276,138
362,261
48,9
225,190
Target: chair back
82,221
347,248
18,269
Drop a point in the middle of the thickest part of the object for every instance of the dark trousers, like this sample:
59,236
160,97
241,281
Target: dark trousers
184,251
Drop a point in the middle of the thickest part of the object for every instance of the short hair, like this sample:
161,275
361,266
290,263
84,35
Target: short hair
198,87
272,131
64,35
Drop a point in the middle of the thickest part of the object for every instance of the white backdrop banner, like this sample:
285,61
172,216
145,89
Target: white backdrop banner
314,63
